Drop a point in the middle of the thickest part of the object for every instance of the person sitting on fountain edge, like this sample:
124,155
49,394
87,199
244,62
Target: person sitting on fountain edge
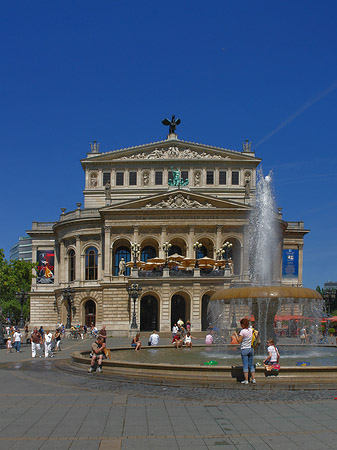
273,353
97,350
247,352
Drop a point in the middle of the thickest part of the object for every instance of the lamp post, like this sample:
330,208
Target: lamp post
226,247
68,295
21,298
166,248
2,340
197,246
135,248
134,291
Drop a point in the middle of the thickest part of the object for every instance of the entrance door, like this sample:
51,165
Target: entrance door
90,313
178,309
149,313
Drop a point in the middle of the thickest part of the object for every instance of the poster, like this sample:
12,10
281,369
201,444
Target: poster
45,266
289,263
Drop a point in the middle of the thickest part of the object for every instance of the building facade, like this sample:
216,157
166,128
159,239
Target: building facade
149,213
22,249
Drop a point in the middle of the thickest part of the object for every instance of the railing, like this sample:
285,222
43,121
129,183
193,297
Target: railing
149,273
181,273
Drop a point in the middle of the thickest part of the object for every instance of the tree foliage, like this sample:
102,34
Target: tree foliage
14,276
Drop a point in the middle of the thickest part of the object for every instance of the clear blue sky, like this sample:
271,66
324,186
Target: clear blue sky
75,71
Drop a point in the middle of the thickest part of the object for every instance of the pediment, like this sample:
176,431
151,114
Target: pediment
170,150
178,199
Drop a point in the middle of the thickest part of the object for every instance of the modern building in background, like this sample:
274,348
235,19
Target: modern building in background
22,249
167,203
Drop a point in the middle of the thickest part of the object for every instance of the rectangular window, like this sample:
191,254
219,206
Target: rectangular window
184,175
159,178
235,177
133,178
106,178
222,177
210,177
119,178
170,176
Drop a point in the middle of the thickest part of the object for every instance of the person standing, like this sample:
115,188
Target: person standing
17,340
154,338
36,340
247,352
48,337
58,340
9,344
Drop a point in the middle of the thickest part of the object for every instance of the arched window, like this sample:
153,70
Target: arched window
174,249
148,252
122,252
71,265
91,257
201,252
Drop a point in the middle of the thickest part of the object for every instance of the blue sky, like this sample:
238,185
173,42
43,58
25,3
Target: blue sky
75,71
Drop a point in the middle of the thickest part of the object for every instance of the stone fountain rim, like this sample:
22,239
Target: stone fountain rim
266,292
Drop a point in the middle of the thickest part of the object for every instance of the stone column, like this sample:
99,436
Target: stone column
165,308
62,278
78,259
107,259
300,265
196,307
218,239
191,240
163,238
56,265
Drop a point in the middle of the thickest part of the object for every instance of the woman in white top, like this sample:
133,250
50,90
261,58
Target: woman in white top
273,354
247,352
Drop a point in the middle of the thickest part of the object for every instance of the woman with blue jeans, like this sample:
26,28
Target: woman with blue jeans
247,352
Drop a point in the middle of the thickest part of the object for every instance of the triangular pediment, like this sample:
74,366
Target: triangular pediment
177,199
169,150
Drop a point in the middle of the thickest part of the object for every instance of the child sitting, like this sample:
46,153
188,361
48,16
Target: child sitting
273,354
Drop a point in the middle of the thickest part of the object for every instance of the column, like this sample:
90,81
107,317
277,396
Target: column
218,239
163,238
191,240
107,259
62,278
78,259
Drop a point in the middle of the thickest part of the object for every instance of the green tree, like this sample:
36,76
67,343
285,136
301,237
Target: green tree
14,276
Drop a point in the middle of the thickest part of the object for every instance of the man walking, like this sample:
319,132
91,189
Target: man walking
36,341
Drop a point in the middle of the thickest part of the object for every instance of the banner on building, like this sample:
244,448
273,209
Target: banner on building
290,263
45,266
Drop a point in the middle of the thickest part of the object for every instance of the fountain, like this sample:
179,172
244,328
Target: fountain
265,295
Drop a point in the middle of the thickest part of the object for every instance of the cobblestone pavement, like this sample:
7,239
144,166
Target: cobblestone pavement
46,404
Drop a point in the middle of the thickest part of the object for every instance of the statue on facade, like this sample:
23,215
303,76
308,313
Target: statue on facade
107,191
172,124
176,179
121,267
196,178
146,178
247,186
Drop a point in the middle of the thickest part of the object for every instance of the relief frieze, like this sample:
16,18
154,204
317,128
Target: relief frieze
174,152
179,201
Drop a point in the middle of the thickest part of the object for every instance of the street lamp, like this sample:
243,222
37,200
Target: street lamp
134,291
22,298
68,295
197,246
226,247
166,248
135,248
2,340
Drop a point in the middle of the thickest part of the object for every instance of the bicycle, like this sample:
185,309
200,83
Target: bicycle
73,334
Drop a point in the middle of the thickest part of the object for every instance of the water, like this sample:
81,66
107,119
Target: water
227,356
264,234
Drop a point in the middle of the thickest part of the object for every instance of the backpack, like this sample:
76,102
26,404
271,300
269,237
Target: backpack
255,339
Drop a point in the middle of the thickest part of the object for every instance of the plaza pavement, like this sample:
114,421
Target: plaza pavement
46,407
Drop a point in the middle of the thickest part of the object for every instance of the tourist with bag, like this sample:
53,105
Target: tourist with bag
247,351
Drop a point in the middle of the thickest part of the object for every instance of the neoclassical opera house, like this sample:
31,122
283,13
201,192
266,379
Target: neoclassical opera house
169,217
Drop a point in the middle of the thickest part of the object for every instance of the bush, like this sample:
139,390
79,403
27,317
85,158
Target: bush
331,331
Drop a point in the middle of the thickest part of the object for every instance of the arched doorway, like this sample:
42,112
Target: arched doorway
90,313
178,309
204,315
149,313
174,249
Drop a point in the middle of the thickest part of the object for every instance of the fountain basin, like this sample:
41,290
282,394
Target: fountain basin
125,364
